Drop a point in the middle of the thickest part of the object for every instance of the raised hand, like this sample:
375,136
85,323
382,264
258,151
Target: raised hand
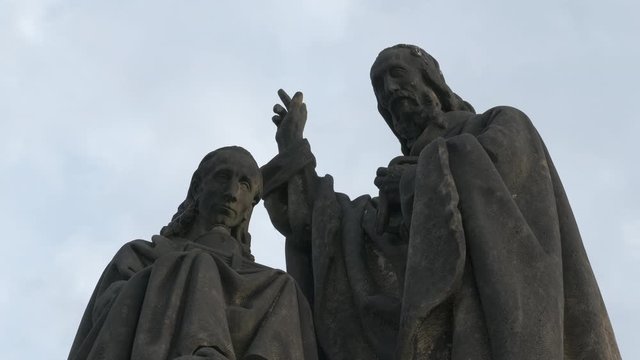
289,119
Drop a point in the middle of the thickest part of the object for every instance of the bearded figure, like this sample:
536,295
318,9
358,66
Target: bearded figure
470,251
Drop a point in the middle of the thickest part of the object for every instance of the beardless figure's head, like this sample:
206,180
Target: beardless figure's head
223,191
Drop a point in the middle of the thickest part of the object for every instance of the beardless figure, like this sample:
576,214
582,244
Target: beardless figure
471,250
195,292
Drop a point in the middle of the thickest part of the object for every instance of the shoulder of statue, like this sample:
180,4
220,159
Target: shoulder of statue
134,246
505,111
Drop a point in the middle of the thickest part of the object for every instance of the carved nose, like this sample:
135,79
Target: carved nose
231,191
391,85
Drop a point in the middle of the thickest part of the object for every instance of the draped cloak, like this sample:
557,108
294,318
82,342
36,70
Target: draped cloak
177,299
492,265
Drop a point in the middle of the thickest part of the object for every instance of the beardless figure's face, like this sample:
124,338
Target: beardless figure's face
402,92
228,190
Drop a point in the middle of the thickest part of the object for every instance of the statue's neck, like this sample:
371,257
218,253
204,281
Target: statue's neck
199,228
217,239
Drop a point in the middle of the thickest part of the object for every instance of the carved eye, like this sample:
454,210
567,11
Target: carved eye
397,71
245,184
222,175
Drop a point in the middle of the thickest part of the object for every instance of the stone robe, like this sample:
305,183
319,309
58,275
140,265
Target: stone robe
487,263
175,299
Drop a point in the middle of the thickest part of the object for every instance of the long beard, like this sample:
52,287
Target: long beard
436,124
423,116
433,115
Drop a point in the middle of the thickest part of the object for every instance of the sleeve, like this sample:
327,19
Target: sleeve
290,182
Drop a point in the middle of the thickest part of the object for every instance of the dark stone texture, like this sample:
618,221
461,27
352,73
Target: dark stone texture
471,250
194,292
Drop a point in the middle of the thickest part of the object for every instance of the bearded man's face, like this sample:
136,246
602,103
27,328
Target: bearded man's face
403,93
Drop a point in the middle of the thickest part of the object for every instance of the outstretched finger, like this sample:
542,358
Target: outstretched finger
297,97
280,110
286,99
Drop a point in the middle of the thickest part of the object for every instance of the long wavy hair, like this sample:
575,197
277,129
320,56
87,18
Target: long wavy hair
434,78
187,212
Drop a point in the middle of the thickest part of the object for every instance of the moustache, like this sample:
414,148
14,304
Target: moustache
397,95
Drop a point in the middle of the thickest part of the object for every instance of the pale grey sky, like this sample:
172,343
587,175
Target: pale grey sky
107,107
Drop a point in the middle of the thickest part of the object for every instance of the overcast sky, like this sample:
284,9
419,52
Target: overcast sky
106,108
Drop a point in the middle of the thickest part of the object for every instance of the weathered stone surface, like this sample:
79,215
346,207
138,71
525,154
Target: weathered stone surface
194,292
471,250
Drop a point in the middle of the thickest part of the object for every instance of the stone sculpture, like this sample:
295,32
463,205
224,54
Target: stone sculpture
195,292
471,251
